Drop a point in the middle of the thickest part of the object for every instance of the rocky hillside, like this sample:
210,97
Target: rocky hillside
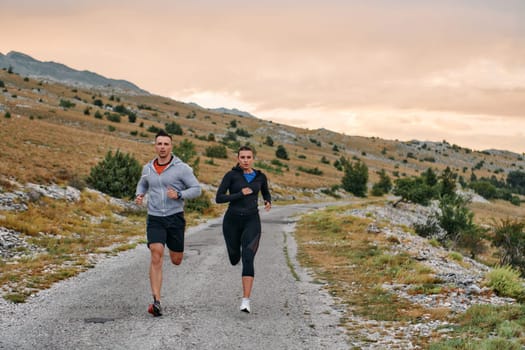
46,119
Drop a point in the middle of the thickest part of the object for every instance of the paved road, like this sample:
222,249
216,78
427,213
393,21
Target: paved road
105,307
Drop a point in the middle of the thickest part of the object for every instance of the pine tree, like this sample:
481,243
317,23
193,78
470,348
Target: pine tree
355,178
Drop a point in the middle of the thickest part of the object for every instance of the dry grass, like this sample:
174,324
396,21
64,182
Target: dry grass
355,264
67,234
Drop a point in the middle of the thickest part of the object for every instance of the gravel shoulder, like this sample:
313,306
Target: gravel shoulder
105,307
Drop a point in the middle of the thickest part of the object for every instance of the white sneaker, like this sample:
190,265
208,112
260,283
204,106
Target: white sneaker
245,305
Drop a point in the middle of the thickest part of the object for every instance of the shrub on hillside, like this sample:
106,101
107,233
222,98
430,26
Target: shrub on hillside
243,132
185,150
173,128
116,175
218,151
414,190
509,237
201,204
281,152
268,141
66,104
506,282
355,178
383,186
458,222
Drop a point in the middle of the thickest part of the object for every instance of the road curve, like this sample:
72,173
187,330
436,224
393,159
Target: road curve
105,307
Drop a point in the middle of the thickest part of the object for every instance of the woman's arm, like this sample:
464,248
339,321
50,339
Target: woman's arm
222,196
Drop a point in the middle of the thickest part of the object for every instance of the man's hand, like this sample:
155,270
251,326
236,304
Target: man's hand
267,205
139,199
173,193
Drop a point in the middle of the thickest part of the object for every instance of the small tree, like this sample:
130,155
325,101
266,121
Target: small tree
116,175
413,190
185,150
384,185
447,182
66,104
218,151
516,181
458,222
269,141
509,237
355,178
281,152
173,128
430,177
243,132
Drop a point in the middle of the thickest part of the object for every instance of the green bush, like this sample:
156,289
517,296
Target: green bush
414,190
268,141
113,117
312,171
383,186
218,151
153,129
458,222
243,132
355,178
509,237
116,175
281,152
506,282
200,204
173,128
66,104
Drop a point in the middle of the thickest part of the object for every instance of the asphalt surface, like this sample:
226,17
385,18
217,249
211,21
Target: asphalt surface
106,307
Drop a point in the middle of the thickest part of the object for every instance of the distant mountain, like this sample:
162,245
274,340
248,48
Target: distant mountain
233,111
27,66
222,110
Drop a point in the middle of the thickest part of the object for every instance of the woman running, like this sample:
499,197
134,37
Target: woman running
241,225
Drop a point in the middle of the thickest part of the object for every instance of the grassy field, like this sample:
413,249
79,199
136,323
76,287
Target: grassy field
354,264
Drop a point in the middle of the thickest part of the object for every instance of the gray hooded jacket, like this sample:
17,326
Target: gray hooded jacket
178,175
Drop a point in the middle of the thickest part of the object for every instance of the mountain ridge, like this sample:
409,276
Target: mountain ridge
26,65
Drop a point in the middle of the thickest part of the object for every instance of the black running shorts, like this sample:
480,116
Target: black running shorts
168,230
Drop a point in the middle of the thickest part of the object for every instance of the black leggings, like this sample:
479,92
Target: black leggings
242,234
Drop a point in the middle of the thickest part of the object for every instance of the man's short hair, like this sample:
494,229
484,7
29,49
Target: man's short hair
162,132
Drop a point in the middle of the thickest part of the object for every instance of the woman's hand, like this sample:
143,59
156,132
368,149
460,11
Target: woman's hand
267,205
246,191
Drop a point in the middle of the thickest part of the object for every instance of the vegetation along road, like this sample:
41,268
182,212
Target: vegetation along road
105,307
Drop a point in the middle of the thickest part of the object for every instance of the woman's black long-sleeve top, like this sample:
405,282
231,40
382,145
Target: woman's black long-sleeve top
230,190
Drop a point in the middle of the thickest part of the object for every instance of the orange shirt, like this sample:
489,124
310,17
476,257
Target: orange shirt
160,168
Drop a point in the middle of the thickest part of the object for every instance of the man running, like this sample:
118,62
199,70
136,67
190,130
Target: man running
168,181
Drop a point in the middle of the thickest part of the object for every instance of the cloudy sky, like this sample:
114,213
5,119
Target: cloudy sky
397,69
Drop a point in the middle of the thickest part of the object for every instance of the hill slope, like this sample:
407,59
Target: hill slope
47,134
